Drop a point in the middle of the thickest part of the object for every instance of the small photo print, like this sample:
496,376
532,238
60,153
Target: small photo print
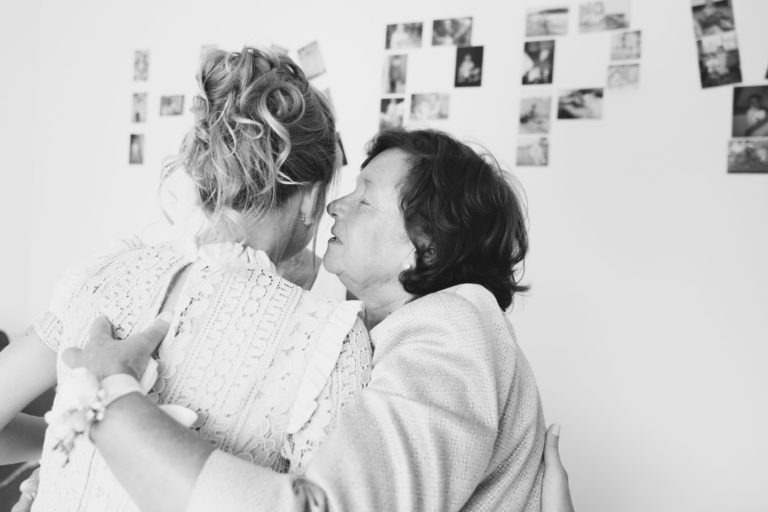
327,94
392,113
172,105
604,15
141,65
719,60
712,17
533,151
403,36
748,156
395,71
205,48
280,50
580,104
623,76
626,45
311,60
538,62
547,22
430,106
139,110
136,149
469,66
452,31
535,114
750,111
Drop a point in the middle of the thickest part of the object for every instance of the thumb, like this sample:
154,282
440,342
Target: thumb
151,337
552,446
101,328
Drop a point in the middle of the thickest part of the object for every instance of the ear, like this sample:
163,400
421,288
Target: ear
309,199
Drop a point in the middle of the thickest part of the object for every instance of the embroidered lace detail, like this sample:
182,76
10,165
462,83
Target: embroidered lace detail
239,345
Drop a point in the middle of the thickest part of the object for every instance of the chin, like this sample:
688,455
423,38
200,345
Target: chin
331,262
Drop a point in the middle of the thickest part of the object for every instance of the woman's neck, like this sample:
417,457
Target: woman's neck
379,308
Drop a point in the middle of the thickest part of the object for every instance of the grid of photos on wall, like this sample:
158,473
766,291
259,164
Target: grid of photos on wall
399,103
544,28
718,47
748,149
138,107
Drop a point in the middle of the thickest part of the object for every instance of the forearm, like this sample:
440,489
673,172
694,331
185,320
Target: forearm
155,459
22,439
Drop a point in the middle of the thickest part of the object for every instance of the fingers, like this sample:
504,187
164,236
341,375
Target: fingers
101,328
154,334
73,357
552,447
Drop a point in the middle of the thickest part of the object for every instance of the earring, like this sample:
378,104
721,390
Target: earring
307,222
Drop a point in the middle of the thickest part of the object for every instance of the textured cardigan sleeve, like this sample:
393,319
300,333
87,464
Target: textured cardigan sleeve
420,437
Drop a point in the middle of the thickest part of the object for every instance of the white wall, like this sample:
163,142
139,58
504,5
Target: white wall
646,324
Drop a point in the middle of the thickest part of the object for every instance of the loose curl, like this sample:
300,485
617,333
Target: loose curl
261,131
462,214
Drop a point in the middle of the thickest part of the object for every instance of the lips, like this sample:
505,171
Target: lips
334,238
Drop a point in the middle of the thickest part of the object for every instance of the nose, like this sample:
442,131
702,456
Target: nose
332,208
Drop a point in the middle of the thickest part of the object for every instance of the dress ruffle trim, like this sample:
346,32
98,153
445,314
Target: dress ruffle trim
322,362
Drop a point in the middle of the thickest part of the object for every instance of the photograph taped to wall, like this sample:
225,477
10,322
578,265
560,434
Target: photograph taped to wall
604,15
403,36
395,74
532,151
430,106
623,76
748,156
580,104
750,111
711,17
311,60
392,113
141,65
552,21
538,62
535,114
452,31
327,94
136,149
278,49
139,110
719,60
626,45
172,105
469,66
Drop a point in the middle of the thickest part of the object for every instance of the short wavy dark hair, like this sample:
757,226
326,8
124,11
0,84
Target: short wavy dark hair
461,212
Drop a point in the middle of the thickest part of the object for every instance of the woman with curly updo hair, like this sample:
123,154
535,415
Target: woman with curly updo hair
265,366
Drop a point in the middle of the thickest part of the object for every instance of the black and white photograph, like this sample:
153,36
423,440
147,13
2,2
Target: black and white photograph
392,113
626,45
552,21
602,15
469,66
748,156
404,36
719,60
139,107
136,149
452,31
750,111
712,17
532,151
172,105
535,114
430,106
538,62
580,104
395,74
205,48
141,65
311,60
623,76
278,49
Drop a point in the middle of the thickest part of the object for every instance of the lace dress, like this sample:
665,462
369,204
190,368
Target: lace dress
265,364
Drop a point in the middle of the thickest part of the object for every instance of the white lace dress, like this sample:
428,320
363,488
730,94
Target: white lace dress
265,364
